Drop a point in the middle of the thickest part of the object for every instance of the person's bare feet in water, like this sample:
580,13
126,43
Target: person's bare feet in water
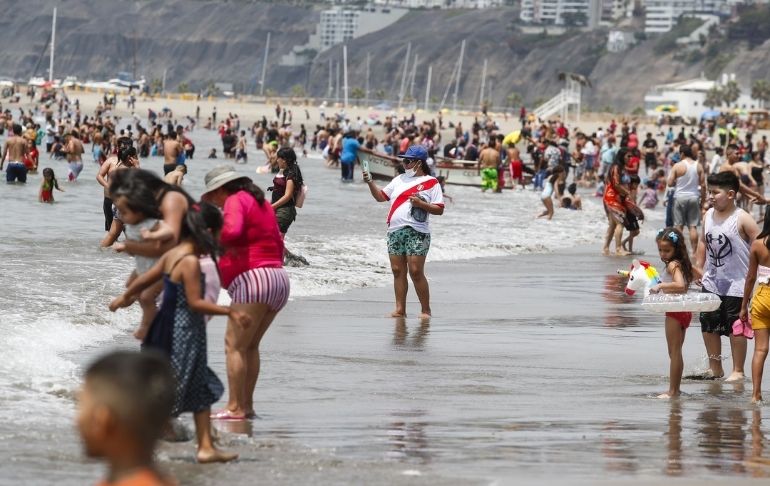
398,313
621,252
669,394
606,251
207,456
735,376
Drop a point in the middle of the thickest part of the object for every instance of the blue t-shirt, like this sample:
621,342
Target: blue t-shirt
350,148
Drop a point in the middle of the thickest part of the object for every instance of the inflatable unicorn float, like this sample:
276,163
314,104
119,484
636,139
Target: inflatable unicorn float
643,276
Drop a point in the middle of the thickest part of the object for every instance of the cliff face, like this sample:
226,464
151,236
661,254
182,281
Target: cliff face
203,41
197,41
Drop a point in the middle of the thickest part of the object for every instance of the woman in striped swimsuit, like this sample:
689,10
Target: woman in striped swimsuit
251,270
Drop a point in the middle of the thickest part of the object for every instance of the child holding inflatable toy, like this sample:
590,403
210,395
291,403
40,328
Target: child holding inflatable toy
675,279
759,268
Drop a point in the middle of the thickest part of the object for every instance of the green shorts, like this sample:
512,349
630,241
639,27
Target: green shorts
408,242
285,215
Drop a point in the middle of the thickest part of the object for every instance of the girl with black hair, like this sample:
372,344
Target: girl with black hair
759,269
179,328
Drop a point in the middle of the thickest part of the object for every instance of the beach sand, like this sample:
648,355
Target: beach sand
534,368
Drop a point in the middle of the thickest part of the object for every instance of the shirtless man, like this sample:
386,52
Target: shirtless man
742,170
171,150
15,147
240,149
112,224
74,151
489,159
516,166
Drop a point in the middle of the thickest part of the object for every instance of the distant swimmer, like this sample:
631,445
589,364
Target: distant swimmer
74,152
125,159
413,196
176,176
15,148
171,151
489,160
47,185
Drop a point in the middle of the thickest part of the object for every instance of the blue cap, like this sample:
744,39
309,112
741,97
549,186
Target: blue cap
415,152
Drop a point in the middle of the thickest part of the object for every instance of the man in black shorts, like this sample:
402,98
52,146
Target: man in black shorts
650,146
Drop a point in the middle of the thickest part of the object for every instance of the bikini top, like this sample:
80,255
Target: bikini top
763,275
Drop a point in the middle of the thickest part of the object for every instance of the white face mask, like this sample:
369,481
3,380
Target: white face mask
410,172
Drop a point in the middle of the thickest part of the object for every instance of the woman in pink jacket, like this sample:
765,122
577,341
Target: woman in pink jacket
251,269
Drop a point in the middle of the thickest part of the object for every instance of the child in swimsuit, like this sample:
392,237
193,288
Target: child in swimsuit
142,223
675,279
179,329
558,175
47,185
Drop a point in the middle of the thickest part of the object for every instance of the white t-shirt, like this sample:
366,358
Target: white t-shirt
398,192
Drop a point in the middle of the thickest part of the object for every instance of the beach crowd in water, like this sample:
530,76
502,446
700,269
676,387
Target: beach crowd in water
186,250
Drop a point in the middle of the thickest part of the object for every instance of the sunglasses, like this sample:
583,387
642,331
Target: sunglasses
409,161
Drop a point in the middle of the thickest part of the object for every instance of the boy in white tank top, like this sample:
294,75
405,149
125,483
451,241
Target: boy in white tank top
723,254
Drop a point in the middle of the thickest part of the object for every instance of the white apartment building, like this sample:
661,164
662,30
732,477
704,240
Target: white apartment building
555,11
662,15
613,10
339,25
440,4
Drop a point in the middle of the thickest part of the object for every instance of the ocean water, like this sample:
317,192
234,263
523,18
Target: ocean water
56,282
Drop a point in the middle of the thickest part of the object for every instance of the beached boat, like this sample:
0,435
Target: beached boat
455,172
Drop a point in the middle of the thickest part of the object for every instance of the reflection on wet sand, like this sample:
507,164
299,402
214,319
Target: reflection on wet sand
757,465
674,464
617,313
407,439
415,339
618,452
721,430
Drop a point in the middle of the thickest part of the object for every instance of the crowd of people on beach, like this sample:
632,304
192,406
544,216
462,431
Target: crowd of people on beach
186,250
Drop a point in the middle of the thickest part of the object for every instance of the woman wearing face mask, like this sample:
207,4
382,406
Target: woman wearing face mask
413,196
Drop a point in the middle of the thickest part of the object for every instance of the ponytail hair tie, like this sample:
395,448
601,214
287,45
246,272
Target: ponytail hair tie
196,207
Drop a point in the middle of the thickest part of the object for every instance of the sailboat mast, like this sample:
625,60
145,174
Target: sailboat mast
53,43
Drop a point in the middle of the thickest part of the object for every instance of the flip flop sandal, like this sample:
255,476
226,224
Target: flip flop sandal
226,415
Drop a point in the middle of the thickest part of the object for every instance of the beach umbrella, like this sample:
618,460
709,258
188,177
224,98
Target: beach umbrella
739,111
708,115
512,138
666,109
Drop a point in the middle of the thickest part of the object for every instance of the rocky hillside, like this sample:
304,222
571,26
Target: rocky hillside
203,41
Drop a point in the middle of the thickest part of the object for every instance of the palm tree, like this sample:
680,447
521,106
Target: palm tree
713,97
731,92
760,91
513,99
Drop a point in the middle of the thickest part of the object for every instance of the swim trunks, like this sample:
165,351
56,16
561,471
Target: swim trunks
760,308
686,211
75,168
16,172
489,178
407,241
720,321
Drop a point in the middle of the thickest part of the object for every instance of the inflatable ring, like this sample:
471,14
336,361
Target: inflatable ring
690,302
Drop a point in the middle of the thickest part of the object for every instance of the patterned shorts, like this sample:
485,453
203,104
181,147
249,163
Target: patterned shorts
262,285
408,242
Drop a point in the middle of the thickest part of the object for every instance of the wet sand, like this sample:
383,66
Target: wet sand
534,367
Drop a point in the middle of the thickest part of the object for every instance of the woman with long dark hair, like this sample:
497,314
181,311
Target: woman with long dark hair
251,269
287,185
621,211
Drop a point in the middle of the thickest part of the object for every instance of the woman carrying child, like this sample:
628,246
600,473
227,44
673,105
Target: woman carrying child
675,279
179,328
